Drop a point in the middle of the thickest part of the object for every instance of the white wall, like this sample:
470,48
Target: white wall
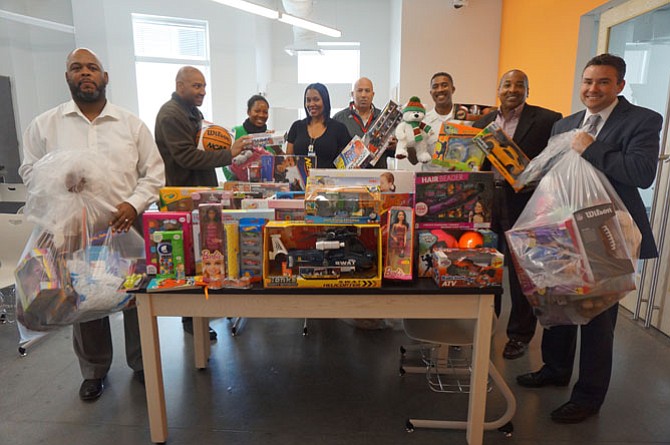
463,42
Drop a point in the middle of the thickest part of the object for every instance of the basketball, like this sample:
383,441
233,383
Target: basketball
213,138
471,240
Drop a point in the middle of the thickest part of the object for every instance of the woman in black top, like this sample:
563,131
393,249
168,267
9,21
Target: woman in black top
317,134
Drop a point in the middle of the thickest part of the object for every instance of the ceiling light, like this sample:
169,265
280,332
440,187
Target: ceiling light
311,26
338,43
251,7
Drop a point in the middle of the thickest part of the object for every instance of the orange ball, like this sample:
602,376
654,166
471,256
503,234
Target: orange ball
214,138
471,240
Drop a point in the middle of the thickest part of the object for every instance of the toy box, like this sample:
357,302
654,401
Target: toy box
471,112
468,267
178,199
235,214
381,131
342,205
430,241
259,190
291,169
212,196
288,209
503,153
354,155
456,150
212,245
399,247
251,248
322,255
462,200
165,221
170,251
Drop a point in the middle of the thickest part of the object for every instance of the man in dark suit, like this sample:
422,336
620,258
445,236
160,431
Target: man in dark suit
530,127
622,142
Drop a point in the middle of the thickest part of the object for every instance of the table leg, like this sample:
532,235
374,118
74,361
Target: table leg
480,371
201,344
153,372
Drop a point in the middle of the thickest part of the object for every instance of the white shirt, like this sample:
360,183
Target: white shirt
134,165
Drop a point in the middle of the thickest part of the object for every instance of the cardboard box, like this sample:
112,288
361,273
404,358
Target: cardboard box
503,153
164,221
322,255
468,267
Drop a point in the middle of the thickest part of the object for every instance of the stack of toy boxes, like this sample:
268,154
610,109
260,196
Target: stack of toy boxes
453,215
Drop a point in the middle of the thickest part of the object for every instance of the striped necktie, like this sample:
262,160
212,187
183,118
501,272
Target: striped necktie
591,124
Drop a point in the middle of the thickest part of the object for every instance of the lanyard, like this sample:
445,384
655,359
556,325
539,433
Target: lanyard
358,119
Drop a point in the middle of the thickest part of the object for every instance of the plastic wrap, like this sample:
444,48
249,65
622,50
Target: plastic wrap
73,266
575,246
557,146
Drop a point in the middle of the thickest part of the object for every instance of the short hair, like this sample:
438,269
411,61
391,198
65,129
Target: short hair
525,76
607,59
325,98
442,73
255,98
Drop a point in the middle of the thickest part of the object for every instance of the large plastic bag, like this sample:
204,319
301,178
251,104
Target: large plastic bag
73,265
575,246
557,146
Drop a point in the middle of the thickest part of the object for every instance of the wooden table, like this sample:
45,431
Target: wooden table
420,300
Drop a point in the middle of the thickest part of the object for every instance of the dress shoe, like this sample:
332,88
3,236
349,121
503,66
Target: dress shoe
514,349
573,413
187,323
541,378
139,376
91,389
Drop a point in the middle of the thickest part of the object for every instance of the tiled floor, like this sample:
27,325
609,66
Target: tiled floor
339,385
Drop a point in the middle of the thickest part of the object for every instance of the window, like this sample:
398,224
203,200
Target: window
162,46
329,66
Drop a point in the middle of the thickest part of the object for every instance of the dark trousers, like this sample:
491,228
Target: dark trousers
595,357
506,209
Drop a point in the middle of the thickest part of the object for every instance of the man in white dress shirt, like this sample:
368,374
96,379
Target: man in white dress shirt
135,173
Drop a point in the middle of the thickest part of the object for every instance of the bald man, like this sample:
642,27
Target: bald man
120,140
177,125
361,114
530,127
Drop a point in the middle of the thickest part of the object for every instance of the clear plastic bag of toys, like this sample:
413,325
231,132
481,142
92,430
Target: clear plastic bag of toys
73,265
575,246
557,146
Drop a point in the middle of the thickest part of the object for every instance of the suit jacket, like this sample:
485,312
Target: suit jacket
626,151
531,135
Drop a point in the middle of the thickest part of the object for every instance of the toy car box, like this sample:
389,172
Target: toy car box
322,255
356,204
468,267
456,200
503,153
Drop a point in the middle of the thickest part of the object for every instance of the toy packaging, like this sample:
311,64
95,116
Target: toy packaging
247,165
288,209
468,267
322,255
178,199
167,221
471,112
342,205
235,214
251,248
354,155
503,153
212,245
456,150
430,241
212,196
170,250
291,169
399,258
575,245
263,190
454,200
381,131
232,232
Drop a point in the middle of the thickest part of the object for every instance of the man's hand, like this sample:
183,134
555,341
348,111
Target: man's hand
122,221
239,145
581,141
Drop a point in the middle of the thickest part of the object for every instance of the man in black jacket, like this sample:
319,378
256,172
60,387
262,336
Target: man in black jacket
530,127
622,141
177,125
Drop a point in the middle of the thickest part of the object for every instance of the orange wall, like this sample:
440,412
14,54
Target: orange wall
540,38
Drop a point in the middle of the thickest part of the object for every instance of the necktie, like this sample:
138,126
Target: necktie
591,124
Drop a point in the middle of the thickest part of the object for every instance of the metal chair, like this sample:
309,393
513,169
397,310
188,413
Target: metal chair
444,349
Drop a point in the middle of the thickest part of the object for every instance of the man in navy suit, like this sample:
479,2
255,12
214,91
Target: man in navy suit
530,127
624,145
